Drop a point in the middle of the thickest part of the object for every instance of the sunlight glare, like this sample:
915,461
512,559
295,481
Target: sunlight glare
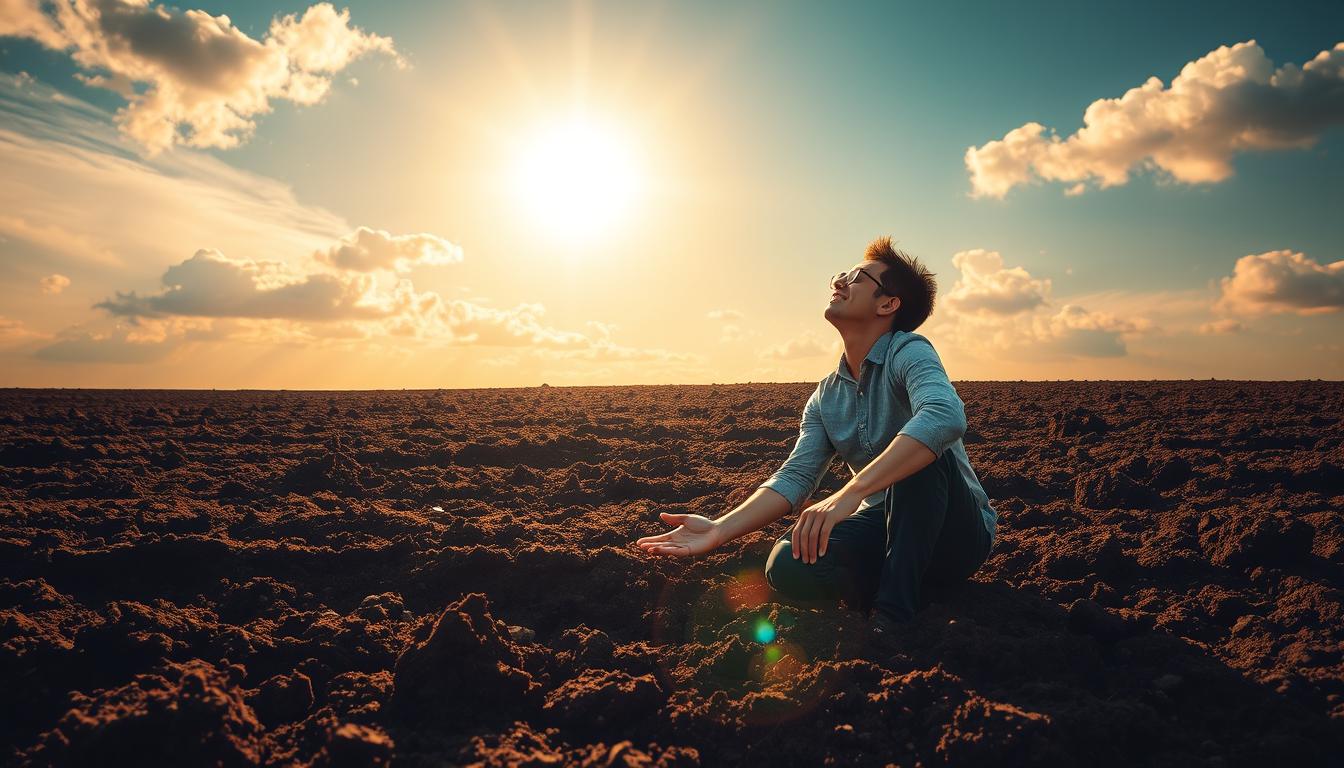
579,179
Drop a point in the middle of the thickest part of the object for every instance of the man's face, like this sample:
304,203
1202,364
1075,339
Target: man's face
858,300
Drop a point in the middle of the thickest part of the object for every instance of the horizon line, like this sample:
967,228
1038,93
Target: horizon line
651,386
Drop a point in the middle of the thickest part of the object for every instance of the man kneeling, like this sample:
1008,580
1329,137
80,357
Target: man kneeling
914,516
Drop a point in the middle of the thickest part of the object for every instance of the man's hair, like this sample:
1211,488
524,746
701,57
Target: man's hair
907,279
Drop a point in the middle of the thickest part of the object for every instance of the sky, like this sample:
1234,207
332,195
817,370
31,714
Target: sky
503,194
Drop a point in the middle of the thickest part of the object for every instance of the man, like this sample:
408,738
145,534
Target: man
913,517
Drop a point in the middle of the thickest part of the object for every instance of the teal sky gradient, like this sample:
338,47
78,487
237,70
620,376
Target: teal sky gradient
826,124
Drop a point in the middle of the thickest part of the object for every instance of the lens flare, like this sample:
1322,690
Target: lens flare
770,675
747,591
765,631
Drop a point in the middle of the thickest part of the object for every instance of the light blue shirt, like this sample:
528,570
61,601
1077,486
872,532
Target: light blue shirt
902,390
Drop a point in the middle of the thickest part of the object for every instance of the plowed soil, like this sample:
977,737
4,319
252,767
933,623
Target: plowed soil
450,578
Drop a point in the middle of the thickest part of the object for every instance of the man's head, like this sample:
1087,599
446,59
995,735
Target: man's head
889,287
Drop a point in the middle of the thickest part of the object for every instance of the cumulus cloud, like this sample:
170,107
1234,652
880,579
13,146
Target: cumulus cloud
996,310
212,285
986,287
273,288
1078,331
271,302
77,198
1230,100
209,284
731,332
21,18
1072,317
731,329
1219,327
189,77
369,250
806,345
1282,281
468,323
54,284
148,341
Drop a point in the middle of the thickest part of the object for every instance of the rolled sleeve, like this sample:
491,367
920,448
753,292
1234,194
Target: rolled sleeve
797,479
938,417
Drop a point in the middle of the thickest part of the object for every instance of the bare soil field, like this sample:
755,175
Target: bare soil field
450,578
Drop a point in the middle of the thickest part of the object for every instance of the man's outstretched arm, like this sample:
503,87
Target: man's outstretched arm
796,480
762,508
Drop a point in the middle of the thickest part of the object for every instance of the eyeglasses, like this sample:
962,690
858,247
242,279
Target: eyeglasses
852,277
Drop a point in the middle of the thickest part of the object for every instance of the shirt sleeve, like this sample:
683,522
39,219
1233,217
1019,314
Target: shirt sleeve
938,417
797,479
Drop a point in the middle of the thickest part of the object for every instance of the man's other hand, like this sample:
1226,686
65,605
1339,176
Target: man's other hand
813,530
694,535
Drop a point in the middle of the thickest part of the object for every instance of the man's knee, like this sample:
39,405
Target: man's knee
799,582
778,563
790,576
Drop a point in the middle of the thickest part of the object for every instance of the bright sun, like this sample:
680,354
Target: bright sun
578,178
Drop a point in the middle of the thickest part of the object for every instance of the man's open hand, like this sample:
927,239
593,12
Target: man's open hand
813,529
694,535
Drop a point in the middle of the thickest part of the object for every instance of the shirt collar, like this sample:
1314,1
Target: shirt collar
877,355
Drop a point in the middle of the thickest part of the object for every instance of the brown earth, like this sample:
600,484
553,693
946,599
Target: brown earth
450,577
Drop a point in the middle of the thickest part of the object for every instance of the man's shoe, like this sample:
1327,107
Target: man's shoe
883,632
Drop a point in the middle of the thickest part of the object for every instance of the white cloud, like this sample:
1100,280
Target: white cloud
1072,317
1282,281
77,199
189,77
996,311
1090,334
271,302
808,344
54,284
146,341
467,323
1219,327
368,250
209,284
986,287
213,285
599,346
731,330
20,18
1229,101
322,40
